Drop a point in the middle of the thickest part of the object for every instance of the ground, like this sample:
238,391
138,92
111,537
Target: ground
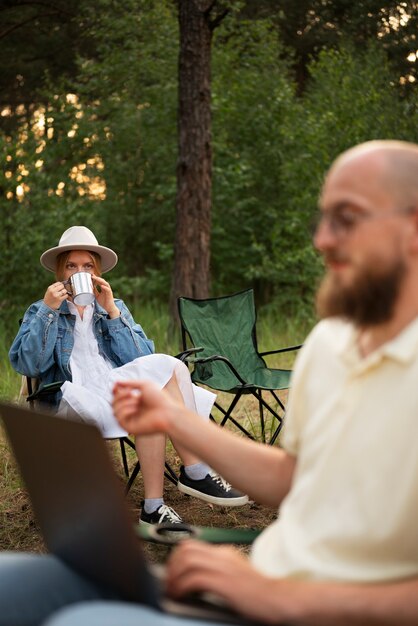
199,513
20,531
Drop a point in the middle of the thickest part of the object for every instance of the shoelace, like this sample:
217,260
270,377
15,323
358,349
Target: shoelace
221,481
168,515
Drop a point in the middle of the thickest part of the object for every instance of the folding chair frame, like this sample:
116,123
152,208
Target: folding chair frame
189,355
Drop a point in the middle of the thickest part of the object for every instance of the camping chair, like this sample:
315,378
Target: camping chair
35,393
225,356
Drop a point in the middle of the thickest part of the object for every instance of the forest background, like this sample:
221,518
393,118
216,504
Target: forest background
89,116
88,135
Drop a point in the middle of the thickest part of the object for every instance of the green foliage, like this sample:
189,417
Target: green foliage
106,155
37,39
247,114
10,381
351,98
134,79
307,27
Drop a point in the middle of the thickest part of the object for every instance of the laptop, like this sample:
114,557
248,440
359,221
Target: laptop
81,509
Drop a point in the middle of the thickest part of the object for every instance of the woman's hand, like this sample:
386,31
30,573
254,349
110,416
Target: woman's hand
104,296
55,295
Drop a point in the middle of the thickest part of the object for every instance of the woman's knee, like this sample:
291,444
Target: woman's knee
181,368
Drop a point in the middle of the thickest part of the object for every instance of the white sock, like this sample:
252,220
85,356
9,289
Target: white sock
152,504
197,471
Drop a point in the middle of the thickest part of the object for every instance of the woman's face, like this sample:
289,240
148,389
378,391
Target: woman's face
78,261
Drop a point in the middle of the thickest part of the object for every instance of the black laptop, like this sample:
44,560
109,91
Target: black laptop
80,506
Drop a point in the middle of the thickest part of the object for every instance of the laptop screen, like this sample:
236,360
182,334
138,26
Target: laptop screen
79,500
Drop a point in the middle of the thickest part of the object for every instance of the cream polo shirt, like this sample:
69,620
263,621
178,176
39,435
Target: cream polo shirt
352,423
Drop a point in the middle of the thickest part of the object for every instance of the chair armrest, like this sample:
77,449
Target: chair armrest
218,357
281,350
45,390
184,356
187,356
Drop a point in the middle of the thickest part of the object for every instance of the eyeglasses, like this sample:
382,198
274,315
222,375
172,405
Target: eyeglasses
342,223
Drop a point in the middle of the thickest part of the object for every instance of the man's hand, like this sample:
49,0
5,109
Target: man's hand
222,570
141,408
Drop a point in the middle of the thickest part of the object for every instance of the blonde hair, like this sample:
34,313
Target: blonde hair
62,259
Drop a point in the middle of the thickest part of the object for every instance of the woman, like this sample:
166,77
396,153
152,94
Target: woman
90,348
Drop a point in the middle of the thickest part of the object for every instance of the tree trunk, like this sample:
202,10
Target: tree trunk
191,274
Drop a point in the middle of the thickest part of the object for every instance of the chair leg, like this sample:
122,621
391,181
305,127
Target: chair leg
227,413
279,418
279,402
276,433
262,404
228,416
132,477
263,426
123,454
170,474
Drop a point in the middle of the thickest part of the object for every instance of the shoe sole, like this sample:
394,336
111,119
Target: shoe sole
143,523
212,499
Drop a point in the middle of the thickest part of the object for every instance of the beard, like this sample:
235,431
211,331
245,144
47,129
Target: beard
368,301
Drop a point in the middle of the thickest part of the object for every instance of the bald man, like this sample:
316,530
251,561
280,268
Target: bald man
344,548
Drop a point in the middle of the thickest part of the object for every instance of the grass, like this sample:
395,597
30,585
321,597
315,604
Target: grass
18,527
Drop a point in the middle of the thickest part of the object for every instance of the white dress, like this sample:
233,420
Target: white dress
88,397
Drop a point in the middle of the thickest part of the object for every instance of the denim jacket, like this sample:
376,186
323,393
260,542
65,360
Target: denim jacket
43,345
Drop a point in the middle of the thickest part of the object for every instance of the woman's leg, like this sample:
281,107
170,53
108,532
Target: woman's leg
33,586
151,455
151,450
196,478
173,389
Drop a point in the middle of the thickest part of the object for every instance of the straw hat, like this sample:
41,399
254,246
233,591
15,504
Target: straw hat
79,238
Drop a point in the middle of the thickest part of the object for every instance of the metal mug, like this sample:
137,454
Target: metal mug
80,287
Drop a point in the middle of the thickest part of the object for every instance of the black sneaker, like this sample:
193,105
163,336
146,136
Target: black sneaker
163,515
213,488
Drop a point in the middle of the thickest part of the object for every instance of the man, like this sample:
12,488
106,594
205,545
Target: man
344,549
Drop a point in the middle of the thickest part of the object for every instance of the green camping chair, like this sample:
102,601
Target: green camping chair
225,357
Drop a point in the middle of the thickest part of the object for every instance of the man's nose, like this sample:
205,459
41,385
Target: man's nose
324,237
